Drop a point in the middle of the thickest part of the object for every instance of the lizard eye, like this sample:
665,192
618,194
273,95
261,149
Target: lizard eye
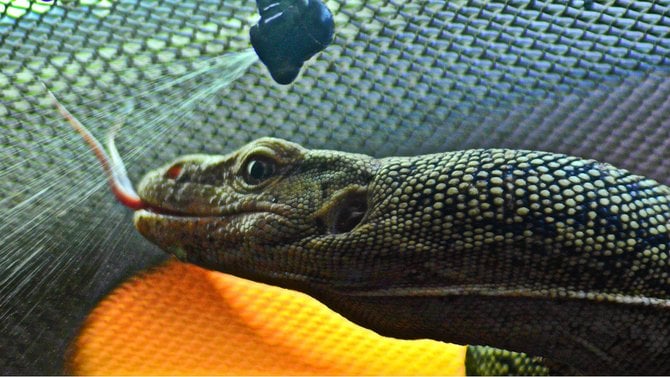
257,169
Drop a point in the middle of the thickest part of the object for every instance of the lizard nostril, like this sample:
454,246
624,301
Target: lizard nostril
174,171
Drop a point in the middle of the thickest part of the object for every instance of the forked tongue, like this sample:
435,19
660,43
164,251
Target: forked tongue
111,163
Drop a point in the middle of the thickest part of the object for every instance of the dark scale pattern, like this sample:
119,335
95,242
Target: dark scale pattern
469,247
552,209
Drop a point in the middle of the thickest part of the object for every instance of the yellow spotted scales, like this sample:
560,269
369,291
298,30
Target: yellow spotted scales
534,252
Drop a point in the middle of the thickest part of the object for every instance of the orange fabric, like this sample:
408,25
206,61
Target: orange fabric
181,319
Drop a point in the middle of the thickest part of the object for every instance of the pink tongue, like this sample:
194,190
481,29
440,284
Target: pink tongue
113,167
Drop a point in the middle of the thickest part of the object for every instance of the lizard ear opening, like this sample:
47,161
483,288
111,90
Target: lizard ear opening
344,211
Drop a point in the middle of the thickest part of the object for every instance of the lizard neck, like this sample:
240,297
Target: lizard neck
582,336
528,251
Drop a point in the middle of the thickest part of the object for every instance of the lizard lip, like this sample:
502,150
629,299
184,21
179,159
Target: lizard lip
225,211
175,215
156,210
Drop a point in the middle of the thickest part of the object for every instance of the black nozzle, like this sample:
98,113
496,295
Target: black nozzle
290,32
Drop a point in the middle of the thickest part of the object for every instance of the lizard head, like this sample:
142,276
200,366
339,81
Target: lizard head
271,211
252,212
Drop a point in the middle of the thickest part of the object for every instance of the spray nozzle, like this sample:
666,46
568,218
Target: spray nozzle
290,32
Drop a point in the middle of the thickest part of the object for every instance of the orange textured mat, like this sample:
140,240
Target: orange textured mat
181,319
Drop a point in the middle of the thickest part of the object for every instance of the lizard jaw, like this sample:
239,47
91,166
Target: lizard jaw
210,241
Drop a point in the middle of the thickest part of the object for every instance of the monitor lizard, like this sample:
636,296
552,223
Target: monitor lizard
529,251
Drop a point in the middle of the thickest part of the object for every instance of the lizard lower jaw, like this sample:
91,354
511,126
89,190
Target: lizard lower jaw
209,241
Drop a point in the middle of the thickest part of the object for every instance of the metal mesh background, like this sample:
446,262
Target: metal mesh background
588,78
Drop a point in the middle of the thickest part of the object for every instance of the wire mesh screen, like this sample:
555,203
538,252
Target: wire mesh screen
586,78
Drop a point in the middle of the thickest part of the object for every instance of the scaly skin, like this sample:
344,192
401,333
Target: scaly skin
527,251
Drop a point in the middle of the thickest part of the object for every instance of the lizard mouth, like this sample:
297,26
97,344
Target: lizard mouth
231,210
159,211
